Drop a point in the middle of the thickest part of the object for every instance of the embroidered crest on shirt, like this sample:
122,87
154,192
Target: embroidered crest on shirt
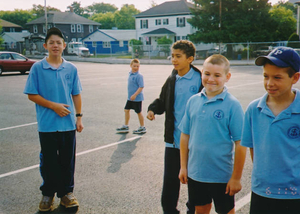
294,132
68,76
218,114
193,89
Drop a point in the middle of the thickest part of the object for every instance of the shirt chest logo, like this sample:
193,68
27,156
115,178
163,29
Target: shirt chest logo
218,114
193,89
294,132
67,76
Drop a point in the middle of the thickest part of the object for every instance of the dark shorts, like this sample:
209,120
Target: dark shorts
263,205
201,194
136,106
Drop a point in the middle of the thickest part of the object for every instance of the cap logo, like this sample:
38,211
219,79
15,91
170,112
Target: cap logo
277,52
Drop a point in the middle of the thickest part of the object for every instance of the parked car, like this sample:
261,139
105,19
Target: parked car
12,61
262,51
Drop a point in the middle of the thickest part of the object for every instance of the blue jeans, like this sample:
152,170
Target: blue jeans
57,162
171,184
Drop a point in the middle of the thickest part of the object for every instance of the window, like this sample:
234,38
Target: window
94,44
79,28
121,43
181,22
165,21
148,40
91,28
184,37
79,39
35,29
106,44
144,24
73,29
12,29
157,21
177,38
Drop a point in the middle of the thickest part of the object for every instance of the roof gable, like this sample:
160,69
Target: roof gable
57,17
5,23
168,8
17,36
111,35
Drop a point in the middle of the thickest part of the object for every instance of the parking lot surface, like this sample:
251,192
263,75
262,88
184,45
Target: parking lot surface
115,173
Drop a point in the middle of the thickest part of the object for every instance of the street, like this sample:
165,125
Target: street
115,173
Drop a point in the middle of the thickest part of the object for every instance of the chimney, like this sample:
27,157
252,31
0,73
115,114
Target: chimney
71,9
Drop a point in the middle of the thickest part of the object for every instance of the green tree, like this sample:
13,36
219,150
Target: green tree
284,23
287,5
124,18
101,8
77,8
39,10
19,17
240,21
164,41
106,20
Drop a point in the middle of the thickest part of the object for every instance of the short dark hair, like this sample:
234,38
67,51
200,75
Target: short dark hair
54,31
290,71
186,46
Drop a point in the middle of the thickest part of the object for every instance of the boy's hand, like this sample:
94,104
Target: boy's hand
61,109
79,125
233,186
132,98
183,175
151,115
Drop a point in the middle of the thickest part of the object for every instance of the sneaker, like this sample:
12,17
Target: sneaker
46,203
140,130
69,200
123,129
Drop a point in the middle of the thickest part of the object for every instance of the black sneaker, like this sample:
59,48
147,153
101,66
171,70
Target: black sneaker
140,130
123,129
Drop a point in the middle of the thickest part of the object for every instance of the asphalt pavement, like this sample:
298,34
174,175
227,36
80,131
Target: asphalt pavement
115,173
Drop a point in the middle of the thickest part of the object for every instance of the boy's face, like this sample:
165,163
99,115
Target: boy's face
277,81
214,78
55,45
180,60
135,67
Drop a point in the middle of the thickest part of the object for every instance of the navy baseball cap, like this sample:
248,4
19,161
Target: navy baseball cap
281,57
54,31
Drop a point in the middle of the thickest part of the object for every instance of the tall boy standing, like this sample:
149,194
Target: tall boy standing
272,132
53,84
135,97
207,156
184,82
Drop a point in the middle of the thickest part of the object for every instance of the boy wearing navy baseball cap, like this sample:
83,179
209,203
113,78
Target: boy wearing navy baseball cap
272,132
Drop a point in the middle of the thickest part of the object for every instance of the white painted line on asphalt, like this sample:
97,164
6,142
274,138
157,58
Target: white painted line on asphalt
77,154
13,127
242,202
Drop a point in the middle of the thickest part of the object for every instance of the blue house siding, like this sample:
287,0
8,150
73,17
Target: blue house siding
114,47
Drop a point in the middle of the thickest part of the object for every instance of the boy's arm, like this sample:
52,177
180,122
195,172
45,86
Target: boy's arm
58,108
234,184
77,105
184,154
136,93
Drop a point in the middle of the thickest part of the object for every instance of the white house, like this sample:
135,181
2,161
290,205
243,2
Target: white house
167,19
109,41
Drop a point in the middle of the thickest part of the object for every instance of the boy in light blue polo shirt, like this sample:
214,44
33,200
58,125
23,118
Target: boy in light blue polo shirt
207,156
272,132
135,97
54,86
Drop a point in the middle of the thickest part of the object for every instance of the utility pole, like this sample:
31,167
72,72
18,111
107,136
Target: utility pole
46,21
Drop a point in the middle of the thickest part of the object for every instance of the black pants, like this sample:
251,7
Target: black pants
57,162
171,184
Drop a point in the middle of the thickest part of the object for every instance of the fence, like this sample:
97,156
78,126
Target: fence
233,51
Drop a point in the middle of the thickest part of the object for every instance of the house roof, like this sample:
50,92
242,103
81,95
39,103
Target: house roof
168,8
57,17
5,23
159,31
17,36
117,35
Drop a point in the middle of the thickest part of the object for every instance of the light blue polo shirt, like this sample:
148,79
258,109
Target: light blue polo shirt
213,125
185,87
56,85
135,81
276,144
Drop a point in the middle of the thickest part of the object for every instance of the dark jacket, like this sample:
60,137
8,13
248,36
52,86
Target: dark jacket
165,104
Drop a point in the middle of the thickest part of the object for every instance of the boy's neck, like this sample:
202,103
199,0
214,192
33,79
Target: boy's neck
184,71
278,104
54,61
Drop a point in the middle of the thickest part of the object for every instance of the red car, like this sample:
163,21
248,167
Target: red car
11,61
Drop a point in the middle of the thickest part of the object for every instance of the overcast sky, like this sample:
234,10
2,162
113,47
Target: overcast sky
62,5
